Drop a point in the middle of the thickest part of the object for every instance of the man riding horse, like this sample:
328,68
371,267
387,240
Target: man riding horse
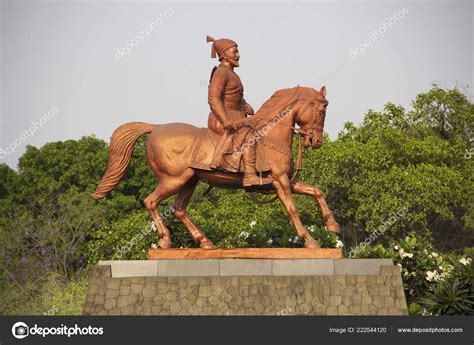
228,106
172,150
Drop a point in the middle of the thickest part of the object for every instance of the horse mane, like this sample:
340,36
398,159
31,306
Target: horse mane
271,106
278,103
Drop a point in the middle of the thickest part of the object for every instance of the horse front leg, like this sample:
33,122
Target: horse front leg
283,190
299,187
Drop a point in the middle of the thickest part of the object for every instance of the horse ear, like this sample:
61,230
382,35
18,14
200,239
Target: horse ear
323,91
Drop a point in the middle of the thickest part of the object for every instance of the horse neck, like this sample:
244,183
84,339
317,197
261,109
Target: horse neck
282,130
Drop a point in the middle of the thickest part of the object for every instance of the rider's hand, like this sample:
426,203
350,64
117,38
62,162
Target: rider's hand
248,110
229,125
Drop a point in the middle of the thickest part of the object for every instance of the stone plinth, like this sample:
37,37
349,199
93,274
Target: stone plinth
244,253
246,287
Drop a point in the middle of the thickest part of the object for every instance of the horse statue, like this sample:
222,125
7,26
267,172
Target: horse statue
180,156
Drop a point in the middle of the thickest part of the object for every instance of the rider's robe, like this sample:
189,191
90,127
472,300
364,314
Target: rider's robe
226,99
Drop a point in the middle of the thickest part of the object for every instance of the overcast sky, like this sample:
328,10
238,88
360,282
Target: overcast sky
72,57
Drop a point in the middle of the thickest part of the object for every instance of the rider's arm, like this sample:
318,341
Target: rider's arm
215,95
248,110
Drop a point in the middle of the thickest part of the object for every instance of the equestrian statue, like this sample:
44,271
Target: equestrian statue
239,149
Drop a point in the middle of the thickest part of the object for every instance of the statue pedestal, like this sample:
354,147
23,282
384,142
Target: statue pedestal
226,286
245,253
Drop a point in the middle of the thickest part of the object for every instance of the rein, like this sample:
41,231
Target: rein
298,131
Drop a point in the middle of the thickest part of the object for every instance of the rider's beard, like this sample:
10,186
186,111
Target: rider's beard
234,62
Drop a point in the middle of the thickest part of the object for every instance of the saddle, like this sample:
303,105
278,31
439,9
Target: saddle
205,157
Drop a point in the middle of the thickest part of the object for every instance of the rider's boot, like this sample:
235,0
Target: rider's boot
249,159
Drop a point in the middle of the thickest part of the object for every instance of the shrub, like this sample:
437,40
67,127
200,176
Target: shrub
56,297
434,283
451,297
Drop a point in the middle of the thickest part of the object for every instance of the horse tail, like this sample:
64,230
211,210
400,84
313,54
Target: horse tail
120,153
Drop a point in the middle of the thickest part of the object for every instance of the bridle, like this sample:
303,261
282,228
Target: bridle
296,130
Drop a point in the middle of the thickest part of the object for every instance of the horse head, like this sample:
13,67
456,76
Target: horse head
310,112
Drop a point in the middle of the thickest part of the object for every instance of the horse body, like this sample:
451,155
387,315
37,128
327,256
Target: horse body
169,151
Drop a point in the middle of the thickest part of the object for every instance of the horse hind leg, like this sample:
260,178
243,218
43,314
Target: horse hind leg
180,204
167,186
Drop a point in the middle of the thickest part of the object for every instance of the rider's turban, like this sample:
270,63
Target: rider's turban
220,46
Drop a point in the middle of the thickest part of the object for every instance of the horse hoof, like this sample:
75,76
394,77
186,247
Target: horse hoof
164,244
333,227
312,244
206,245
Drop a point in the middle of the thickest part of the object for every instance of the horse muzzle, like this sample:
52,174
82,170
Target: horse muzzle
313,138
316,141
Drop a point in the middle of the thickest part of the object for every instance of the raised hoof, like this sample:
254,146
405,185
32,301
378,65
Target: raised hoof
164,244
333,227
206,245
312,244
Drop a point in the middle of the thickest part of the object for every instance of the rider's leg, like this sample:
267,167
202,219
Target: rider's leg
249,157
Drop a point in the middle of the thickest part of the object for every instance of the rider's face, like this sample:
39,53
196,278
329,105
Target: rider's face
232,55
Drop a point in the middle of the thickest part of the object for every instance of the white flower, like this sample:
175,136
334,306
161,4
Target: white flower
435,275
244,234
295,239
154,246
405,255
434,254
339,244
430,275
253,223
413,274
399,265
270,241
465,261
396,248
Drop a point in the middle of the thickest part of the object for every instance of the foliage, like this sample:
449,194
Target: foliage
51,240
376,252
125,239
452,297
434,283
54,297
399,159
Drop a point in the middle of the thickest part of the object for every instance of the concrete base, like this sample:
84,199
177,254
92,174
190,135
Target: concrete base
246,287
244,253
